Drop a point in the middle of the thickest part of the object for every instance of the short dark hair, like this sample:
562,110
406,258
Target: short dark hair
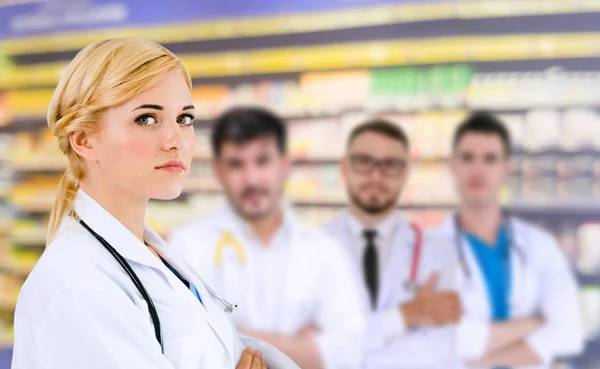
486,123
243,124
381,126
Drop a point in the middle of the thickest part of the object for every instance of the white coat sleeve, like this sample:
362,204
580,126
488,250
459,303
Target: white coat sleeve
472,336
275,359
339,313
562,333
84,329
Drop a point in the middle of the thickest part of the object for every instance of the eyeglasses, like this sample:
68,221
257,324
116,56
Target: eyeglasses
365,164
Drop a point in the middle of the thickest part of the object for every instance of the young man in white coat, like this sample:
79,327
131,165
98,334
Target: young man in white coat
292,284
519,295
405,279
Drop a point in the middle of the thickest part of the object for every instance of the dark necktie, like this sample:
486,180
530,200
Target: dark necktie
370,266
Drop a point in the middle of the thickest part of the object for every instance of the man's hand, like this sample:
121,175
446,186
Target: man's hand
431,307
251,359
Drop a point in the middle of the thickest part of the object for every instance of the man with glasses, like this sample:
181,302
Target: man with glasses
404,278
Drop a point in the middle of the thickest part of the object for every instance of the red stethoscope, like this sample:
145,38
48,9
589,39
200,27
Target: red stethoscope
411,283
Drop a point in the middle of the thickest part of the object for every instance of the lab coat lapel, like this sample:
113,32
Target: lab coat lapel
396,270
134,251
114,232
340,230
213,313
519,281
472,287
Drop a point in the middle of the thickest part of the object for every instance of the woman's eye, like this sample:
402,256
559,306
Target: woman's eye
186,120
145,120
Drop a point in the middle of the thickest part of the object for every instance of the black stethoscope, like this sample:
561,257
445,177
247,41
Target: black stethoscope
227,306
460,248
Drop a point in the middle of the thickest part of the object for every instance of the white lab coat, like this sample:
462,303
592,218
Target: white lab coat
542,284
79,309
313,282
424,348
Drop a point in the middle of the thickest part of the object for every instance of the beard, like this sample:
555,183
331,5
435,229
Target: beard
373,207
273,199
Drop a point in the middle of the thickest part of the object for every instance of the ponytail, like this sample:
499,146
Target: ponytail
64,202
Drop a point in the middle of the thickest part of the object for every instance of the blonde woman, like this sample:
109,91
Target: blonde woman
107,292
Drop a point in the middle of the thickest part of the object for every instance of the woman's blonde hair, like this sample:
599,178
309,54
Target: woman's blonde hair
104,74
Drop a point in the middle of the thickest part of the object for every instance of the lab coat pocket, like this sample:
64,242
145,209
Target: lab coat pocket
197,350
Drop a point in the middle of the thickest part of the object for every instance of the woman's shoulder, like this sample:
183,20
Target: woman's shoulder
71,256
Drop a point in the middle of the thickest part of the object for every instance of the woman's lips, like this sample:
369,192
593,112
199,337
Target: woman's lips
173,166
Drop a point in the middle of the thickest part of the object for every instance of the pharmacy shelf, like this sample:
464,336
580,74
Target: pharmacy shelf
353,55
19,270
7,303
308,22
588,280
5,226
31,236
47,165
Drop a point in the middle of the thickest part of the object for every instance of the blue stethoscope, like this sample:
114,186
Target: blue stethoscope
460,247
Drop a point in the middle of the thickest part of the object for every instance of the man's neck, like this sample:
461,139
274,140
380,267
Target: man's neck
265,228
370,220
481,221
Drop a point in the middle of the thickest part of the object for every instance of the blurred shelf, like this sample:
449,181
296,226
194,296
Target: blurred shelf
12,268
49,165
302,22
353,55
7,303
588,280
5,226
41,207
31,237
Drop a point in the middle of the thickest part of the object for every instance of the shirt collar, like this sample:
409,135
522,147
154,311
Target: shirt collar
384,229
288,228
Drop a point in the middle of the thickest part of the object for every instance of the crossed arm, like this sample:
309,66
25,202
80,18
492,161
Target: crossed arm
507,344
532,341
301,348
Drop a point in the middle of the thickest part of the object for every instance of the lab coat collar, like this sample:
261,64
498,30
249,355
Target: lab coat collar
116,234
289,227
449,228
134,250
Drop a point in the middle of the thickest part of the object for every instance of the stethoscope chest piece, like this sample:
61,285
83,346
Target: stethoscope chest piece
411,286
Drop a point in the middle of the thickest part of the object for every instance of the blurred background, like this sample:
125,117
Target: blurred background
326,65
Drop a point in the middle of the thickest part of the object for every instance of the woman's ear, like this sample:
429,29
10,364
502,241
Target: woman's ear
84,145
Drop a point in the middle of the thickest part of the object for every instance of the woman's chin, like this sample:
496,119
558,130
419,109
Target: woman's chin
170,193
